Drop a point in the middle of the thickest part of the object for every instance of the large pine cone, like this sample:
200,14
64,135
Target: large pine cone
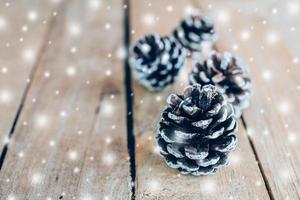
226,72
193,30
195,133
156,61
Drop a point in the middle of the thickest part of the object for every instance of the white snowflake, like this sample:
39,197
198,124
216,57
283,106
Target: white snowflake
272,38
2,23
32,15
41,120
74,29
149,19
28,54
293,7
94,4
5,96
73,155
36,178
71,71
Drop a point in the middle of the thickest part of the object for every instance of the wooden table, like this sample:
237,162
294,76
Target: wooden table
75,125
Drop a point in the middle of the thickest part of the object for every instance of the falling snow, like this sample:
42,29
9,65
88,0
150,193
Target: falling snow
27,54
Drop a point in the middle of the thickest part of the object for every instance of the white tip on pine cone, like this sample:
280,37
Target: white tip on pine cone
166,137
224,116
218,78
145,48
207,162
226,145
177,119
183,135
173,99
175,150
189,110
203,124
195,154
215,134
204,77
165,59
172,164
183,164
204,171
201,155
196,38
215,109
231,125
187,91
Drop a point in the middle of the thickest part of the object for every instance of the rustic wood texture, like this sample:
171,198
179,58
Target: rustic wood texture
272,118
71,142
23,36
154,179
63,104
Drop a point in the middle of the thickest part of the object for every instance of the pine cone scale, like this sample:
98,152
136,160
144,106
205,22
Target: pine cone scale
212,159
174,149
196,153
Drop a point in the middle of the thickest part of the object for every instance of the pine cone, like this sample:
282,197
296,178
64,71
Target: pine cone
193,30
156,61
226,72
195,133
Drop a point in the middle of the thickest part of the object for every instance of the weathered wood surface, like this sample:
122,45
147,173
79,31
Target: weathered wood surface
272,119
154,179
70,142
23,33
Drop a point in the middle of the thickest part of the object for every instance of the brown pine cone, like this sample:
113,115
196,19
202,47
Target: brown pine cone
196,131
226,72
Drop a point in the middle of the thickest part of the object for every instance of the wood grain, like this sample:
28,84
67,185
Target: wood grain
272,118
61,69
282,17
22,38
73,144
154,179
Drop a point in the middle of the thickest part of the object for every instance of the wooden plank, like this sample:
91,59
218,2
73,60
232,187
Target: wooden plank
274,112
23,33
154,179
284,20
282,17
73,144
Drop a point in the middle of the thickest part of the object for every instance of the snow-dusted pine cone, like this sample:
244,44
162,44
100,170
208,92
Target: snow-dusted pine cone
156,61
225,71
193,30
196,131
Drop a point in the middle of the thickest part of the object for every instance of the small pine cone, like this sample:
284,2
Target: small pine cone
156,61
194,30
196,131
226,72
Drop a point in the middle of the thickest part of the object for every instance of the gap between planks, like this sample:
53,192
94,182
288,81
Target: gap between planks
31,76
129,93
93,110
266,182
127,85
244,124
